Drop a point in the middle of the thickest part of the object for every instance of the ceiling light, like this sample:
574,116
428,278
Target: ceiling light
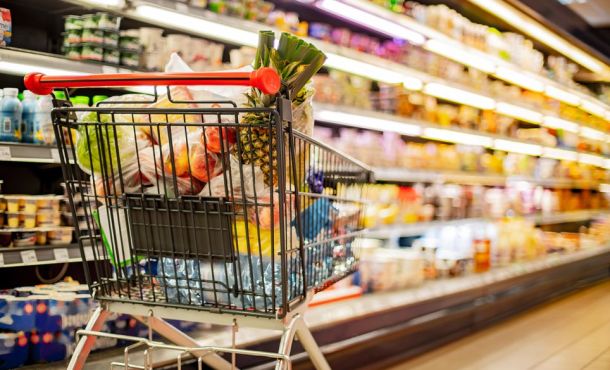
520,113
593,134
517,147
561,154
519,79
371,123
199,26
373,72
459,96
456,137
591,159
20,69
459,54
562,95
371,21
560,124
529,26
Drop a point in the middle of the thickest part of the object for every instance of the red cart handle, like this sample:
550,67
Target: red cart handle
265,79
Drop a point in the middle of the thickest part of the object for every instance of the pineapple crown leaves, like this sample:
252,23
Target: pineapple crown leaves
295,60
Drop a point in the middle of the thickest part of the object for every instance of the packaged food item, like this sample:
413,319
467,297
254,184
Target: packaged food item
130,59
6,27
112,55
108,21
111,38
12,203
90,21
92,52
43,124
6,238
129,39
24,239
44,218
73,22
28,204
12,219
28,116
92,35
73,52
10,116
28,220
41,237
61,235
72,37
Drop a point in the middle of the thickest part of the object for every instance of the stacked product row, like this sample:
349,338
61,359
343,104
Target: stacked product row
477,247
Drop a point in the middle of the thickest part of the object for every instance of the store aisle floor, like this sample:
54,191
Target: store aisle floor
568,334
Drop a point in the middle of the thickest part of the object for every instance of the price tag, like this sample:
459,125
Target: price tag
1,259
109,69
89,253
5,153
55,155
29,257
61,254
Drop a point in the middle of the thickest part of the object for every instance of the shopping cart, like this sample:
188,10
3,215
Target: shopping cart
193,214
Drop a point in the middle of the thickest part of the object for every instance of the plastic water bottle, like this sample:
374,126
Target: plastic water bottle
28,117
10,121
43,124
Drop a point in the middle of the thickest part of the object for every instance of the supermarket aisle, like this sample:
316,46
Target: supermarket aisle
568,334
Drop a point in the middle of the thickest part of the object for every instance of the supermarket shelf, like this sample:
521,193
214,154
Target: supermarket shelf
414,319
418,228
383,122
42,255
16,152
19,62
200,22
478,59
408,175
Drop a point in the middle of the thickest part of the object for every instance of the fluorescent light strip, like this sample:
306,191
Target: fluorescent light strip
519,79
459,96
593,134
591,159
561,154
560,124
20,69
458,54
517,147
519,113
456,137
371,71
593,108
175,20
371,21
537,31
371,123
562,95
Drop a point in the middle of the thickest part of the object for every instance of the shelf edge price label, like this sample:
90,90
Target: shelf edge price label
29,257
1,259
5,153
89,253
55,155
61,254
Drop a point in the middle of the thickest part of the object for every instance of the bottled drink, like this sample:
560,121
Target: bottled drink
10,120
28,117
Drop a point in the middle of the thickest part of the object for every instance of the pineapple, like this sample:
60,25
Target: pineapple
296,62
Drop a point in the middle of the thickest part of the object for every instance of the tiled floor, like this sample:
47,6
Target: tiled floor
569,334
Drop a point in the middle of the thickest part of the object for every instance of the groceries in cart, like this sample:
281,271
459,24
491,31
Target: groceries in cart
219,188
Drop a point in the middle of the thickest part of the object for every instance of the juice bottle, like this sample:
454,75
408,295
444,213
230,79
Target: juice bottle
10,122
28,117
43,124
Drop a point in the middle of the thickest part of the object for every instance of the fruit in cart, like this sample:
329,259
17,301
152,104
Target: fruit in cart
177,160
203,163
215,136
296,61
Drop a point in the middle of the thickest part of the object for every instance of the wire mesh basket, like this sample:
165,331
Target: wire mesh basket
204,205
